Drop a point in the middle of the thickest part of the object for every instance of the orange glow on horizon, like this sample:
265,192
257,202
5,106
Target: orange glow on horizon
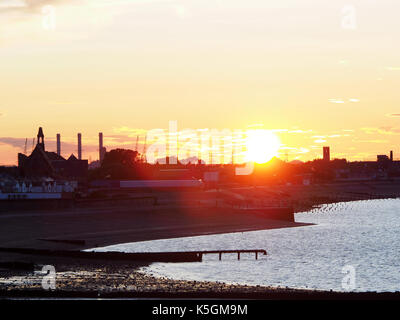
262,145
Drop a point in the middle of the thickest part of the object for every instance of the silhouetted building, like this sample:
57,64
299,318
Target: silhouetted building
42,163
326,154
382,158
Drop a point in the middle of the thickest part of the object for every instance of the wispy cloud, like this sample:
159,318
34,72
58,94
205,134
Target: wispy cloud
66,147
294,150
354,100
393,68
129,132
12,4
14,142
372,141
299,131
28,6
381,130
336,101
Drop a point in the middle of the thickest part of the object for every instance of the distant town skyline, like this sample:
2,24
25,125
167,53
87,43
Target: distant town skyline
127,67
211,146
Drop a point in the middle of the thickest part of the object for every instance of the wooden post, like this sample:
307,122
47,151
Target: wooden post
220,256
238,255
256,255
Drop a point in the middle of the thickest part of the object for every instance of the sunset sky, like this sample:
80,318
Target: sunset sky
316,72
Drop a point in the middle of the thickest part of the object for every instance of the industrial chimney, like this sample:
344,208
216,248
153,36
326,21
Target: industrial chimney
101,151
79,146
326,154
58,144
391,155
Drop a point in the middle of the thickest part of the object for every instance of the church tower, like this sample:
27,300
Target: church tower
40,138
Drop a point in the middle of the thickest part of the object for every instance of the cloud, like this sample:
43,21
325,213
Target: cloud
393,115
354,100
336,101
381,130
125,131
14,142
123,139
393,68
12,4
259,125
373,141
28,6
295,150
299,131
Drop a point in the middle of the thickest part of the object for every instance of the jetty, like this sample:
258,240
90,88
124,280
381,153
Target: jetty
177,256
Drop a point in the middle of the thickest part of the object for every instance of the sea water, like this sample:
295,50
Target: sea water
352,246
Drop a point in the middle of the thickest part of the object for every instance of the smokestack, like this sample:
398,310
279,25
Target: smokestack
391,155
58,144
79,146
101,151
326,154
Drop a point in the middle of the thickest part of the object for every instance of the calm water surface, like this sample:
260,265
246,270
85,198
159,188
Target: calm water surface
361,234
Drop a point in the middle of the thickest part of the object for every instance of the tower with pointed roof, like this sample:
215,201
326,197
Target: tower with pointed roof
40,138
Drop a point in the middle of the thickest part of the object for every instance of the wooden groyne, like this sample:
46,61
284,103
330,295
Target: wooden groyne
238,252
178,256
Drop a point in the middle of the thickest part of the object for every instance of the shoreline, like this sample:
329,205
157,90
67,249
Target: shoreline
135,284
119,280
88,279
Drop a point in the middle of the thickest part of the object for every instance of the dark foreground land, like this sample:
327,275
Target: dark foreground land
82,228
113,280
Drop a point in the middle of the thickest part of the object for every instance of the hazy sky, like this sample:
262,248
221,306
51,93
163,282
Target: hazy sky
321,72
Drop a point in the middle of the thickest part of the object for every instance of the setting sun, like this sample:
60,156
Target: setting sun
262,145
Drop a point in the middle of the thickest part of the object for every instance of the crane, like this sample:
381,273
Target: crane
26,142
137,144
144,149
